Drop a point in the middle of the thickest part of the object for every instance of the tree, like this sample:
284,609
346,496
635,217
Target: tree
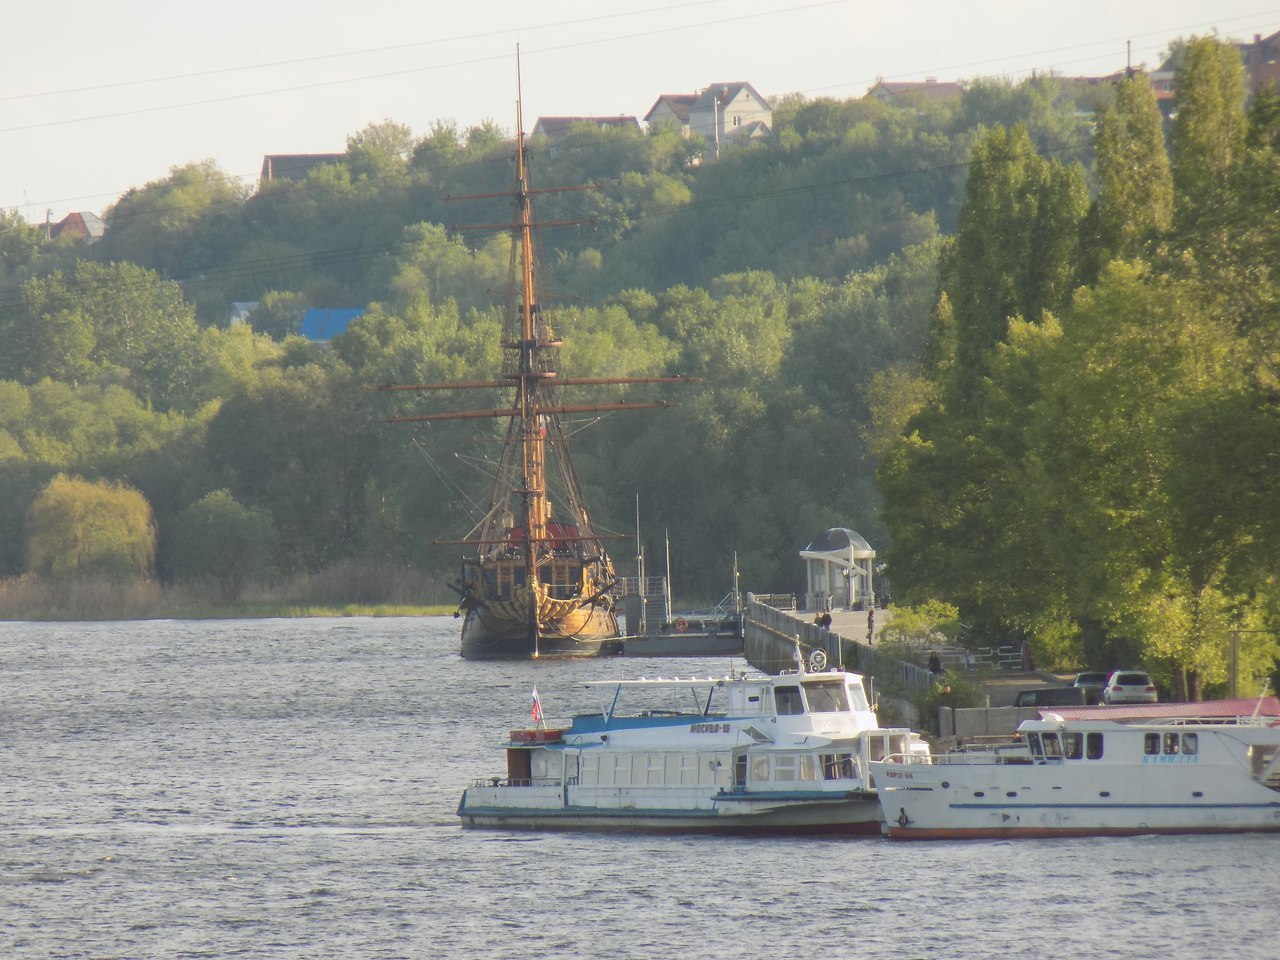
155,225
380,151
1016,245
300,445
78,527
19,243
1134,204
219,539
953,483
108,323
1137,397
1209,131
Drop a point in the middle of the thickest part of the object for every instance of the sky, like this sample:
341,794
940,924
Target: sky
99,96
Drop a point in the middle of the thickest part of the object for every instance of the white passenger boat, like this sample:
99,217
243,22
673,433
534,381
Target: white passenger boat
1095,771
738,754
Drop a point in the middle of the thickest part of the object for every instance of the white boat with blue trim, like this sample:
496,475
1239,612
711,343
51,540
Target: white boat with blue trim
1098,771
738,754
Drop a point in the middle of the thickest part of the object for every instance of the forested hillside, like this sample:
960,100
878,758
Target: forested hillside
799,278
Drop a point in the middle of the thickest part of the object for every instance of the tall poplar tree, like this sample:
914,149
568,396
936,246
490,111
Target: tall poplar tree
1208,134
952,481
1134,203
1015,248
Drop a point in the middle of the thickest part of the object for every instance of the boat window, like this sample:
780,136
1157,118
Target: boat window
784,766
858,697
1051,748
788,701
837,766
1190,744
759,769
875,748
1171,742
1033,744
808,767
1093,746
827,697
740,770
1151,744
1072,746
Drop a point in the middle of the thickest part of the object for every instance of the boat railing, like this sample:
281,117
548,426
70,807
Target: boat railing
516,782
1251,721
992,756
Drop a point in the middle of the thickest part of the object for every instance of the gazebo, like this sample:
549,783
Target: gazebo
838,567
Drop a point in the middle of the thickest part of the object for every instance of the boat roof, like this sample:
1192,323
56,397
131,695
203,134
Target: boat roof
1261,706
704,681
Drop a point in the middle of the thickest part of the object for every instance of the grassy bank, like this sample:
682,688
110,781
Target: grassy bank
391,593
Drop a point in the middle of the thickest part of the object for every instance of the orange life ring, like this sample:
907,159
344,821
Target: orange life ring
681,624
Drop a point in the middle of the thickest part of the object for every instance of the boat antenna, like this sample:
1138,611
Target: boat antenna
1266,685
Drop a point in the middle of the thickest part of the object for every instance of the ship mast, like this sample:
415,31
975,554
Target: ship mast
529,375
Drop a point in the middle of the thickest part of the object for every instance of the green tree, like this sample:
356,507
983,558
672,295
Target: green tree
1144,527
299,444
19,244
114,323
380,151
78,527
221,540
1134,204
1208,134
156,225
1016,245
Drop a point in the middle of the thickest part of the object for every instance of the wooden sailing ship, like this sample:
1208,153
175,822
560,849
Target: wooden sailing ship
537,581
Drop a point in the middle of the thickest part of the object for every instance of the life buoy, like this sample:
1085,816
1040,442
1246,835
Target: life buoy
681,624
903,819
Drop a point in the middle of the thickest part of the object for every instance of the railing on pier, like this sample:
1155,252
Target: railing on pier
770,645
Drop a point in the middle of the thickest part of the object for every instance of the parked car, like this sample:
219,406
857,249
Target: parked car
1129,686
1052,697
1092,684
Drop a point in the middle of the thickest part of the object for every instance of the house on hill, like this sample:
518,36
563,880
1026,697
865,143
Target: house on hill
671,111
82,225
909,92
730,113
1261,61
295,166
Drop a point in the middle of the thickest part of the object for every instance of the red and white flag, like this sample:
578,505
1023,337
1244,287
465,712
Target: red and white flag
537,708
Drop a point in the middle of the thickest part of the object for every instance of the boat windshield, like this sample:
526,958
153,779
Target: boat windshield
827,696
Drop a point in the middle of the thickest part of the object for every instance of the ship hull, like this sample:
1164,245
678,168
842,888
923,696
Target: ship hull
621,811
491,634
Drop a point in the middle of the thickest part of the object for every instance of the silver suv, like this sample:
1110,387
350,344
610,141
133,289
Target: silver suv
1129,686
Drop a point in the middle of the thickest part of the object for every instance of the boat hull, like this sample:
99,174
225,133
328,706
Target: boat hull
522,808
926,802
587,631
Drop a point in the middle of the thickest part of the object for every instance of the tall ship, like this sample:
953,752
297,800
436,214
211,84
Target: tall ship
536,580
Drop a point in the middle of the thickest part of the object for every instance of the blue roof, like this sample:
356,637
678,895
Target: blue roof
325,323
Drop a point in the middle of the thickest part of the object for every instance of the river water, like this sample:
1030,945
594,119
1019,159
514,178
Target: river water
287,788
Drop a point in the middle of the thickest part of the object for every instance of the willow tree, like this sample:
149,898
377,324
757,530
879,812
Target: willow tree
82,528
